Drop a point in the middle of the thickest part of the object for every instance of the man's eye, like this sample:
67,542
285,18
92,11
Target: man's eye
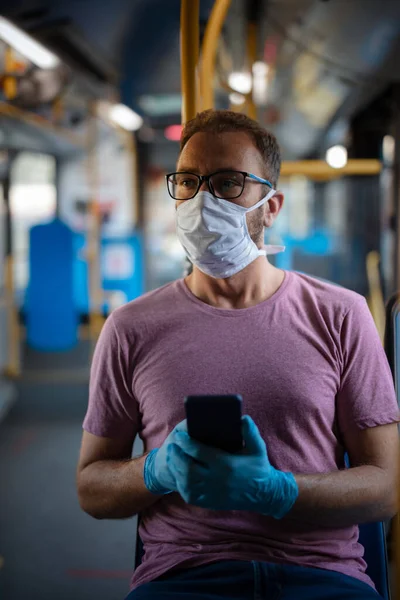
229,183
187,183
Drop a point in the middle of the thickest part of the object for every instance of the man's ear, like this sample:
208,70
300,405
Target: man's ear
272,208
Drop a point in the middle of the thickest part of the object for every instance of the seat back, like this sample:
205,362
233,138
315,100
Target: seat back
392,337
139,549
396,347
373,538
389,331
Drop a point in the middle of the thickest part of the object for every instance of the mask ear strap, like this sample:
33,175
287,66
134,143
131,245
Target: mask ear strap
272,249
263,200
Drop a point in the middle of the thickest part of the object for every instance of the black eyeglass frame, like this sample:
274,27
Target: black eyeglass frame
206,178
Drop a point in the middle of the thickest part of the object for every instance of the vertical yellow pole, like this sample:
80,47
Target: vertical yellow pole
57,110
376,301
132,148
13,366
251,59
9,81
209,52
189,57
128,139
94,230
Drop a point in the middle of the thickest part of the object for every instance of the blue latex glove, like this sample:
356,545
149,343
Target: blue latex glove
156,474
215,479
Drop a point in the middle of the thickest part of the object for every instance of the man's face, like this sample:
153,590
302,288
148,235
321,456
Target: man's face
207,153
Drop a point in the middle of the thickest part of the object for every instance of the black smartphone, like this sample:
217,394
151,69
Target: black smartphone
216,421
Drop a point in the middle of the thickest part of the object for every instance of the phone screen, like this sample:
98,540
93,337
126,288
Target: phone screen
216,421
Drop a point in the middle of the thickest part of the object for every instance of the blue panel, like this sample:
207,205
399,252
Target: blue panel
122,265
52,321
81,279
122,268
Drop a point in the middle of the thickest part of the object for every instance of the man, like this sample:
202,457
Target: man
279,519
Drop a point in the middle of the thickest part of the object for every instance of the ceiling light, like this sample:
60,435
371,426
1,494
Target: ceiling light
125,117
240,82
173,132
236,98
27,46
336,157
388,149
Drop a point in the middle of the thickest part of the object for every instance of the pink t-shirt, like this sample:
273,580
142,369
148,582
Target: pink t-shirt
309,364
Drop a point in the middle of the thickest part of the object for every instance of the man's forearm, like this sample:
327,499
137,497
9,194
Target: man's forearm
344,498
113,489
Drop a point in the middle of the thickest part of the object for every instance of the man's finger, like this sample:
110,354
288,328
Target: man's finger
184,464
253,442
198,451
182,426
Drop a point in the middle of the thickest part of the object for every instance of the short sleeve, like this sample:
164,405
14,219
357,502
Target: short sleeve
366,397
112,409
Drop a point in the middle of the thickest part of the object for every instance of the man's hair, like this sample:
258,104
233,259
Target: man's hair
221,121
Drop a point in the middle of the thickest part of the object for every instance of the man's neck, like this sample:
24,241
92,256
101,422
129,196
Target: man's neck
254,284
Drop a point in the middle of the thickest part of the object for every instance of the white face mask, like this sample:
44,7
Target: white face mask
215,237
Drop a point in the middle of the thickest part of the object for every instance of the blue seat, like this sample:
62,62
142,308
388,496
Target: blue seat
139,550
373,538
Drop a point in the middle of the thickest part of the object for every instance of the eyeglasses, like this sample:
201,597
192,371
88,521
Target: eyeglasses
226,185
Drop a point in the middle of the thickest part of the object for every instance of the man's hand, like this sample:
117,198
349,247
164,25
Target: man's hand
211,478
157,476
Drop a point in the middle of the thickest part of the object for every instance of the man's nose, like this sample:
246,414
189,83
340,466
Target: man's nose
204,187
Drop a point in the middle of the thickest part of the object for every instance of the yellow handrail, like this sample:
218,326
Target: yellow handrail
131,146
189,57
13,366
209,51
94,230
375,299
321,169
251,59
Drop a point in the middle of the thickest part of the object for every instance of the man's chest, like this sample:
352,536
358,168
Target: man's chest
286,377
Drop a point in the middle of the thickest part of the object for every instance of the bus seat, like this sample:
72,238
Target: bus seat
139,550
389,339
372,537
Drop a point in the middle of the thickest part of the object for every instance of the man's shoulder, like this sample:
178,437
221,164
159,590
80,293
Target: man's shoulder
327,293
158,301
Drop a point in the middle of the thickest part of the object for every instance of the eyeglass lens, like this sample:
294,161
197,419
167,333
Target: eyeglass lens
225,184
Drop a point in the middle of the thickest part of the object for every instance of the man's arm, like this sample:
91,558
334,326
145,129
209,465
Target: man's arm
110,483
213,479
366,492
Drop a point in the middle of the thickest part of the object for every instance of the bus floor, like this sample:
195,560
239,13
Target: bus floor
49,548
